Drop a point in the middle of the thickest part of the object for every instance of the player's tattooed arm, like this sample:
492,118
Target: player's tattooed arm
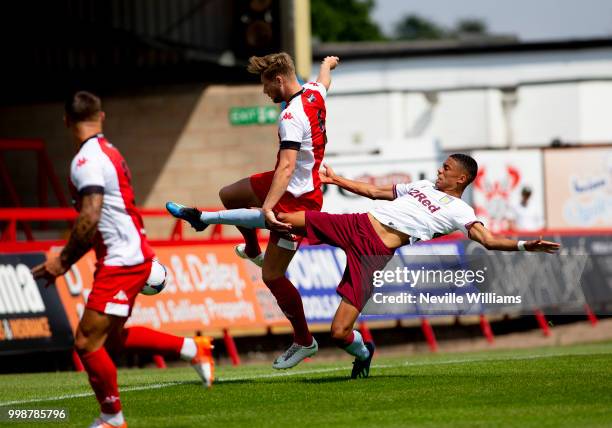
84,230
328,176
482,235
80,241
327,65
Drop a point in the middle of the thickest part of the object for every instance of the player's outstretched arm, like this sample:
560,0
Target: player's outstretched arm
328,176
481,234
327,65
80,241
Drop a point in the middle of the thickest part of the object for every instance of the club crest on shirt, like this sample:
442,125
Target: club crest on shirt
81,162
445,200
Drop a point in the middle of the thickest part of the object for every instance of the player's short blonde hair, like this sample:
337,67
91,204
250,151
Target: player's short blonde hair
272,65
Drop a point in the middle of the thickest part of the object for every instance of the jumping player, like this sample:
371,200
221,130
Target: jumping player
294,185
419,211
109,222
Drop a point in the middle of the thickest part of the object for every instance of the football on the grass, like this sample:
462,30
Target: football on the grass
156,281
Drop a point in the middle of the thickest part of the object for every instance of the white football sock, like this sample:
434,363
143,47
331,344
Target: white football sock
244,217
357,348
113,418
189,349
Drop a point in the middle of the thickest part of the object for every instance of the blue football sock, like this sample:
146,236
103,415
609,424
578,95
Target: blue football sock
239,217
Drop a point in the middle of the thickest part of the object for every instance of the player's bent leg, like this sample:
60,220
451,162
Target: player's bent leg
288,298
241,195
350,340
197,350
92,332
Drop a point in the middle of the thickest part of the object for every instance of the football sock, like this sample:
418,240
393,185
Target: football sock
353,344
113,419
290,302
102,375
245,219
189,349
146,339
239,217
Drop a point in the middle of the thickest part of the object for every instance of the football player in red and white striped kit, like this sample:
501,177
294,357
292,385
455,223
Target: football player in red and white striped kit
294,185
109,222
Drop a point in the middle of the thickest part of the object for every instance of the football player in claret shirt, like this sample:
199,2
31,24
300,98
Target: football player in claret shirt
109,223
294,185
418,211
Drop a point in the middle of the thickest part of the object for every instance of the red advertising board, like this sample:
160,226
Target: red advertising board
208,288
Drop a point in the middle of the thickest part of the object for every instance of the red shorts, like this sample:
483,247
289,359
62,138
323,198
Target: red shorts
365,252
115,288
311,201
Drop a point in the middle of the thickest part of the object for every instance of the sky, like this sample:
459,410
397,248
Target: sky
530,20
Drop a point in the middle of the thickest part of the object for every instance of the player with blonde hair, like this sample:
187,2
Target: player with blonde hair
293,185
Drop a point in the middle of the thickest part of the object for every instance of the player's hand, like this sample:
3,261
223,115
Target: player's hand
541,246
49,270
330,61
273,223
327,176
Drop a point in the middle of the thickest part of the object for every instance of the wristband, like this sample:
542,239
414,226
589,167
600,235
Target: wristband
520,245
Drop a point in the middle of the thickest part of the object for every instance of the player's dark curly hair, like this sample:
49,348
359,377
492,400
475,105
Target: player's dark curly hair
82,106
469,164
270,66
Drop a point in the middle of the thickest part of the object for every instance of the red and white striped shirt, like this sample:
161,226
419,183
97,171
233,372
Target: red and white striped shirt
302,127
99,167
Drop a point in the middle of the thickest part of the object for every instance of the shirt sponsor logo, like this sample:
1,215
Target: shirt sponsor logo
422,198
287,115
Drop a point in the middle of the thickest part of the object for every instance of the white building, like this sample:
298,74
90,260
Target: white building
496,93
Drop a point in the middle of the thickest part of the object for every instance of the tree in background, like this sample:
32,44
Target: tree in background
344,21
415,27
471,27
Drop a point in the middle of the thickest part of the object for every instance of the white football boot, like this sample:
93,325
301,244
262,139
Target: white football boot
296,353
258,259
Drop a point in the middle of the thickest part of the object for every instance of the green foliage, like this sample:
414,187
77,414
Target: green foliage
415,27
471,26
344,21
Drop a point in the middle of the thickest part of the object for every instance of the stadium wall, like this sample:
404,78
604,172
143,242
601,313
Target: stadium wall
178,142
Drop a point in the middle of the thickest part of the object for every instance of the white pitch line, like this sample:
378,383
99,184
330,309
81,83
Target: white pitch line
302,372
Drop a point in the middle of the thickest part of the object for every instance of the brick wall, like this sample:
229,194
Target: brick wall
178,143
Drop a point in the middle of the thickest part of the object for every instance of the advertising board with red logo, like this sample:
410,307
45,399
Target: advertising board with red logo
378,170
503,175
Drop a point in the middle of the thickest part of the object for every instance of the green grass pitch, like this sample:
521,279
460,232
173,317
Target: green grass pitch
545,387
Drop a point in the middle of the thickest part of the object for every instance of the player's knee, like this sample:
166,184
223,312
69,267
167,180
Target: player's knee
86,340
225,195
339,333
82,343
270,278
